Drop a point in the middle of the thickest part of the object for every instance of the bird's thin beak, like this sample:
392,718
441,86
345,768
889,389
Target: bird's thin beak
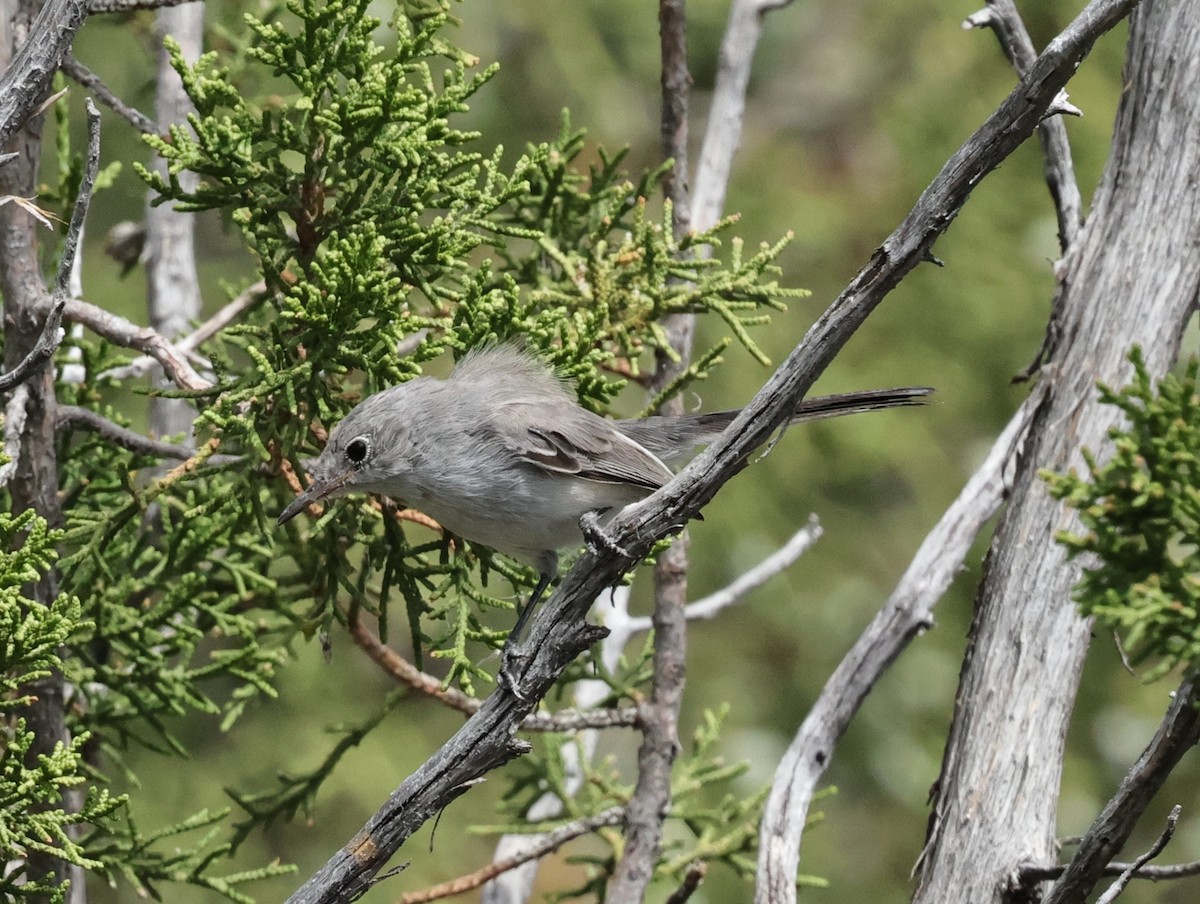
318,490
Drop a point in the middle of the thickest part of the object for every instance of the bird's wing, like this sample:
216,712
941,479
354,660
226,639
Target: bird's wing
571,440
536,416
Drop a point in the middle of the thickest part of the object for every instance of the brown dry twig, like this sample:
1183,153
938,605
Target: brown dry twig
409,675
550,842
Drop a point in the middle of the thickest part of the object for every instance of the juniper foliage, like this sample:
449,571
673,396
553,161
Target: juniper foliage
1140,512
387,237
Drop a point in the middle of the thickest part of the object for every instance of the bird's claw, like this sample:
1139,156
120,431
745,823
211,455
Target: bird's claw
509,658
598,541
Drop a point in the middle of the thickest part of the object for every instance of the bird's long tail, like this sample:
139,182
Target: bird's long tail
671,437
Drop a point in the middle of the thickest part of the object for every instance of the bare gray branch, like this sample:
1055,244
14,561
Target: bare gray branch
1177,734
26,80
905,615
560,630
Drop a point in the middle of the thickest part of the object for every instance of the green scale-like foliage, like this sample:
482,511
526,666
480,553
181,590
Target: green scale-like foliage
33,816
386,238
374,219
1140,512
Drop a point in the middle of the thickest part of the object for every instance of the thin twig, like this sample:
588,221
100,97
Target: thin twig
62,283
1117,887
52,335
712,605
1176,735
408,674
247,299
1003,18
691,881
186,345
548,843
1034,874
44,349
128,334
84,418
84,76
74,416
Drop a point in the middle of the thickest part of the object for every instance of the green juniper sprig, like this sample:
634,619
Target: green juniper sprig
1140,512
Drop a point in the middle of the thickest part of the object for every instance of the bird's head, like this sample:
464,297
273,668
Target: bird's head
366,452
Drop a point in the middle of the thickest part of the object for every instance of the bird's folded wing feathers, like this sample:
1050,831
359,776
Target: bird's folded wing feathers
587,446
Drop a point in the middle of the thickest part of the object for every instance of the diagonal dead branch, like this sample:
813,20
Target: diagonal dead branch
84,76
560,632
1177,734
128,334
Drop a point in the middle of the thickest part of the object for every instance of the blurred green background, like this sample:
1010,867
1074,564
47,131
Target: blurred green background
853,107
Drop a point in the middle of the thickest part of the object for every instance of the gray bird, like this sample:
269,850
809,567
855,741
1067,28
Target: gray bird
501,453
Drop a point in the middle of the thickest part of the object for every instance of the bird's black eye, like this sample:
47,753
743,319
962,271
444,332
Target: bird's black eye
358,449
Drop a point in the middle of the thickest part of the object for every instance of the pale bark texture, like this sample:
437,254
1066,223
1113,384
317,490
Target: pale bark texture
173,289
1131,278
27,303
